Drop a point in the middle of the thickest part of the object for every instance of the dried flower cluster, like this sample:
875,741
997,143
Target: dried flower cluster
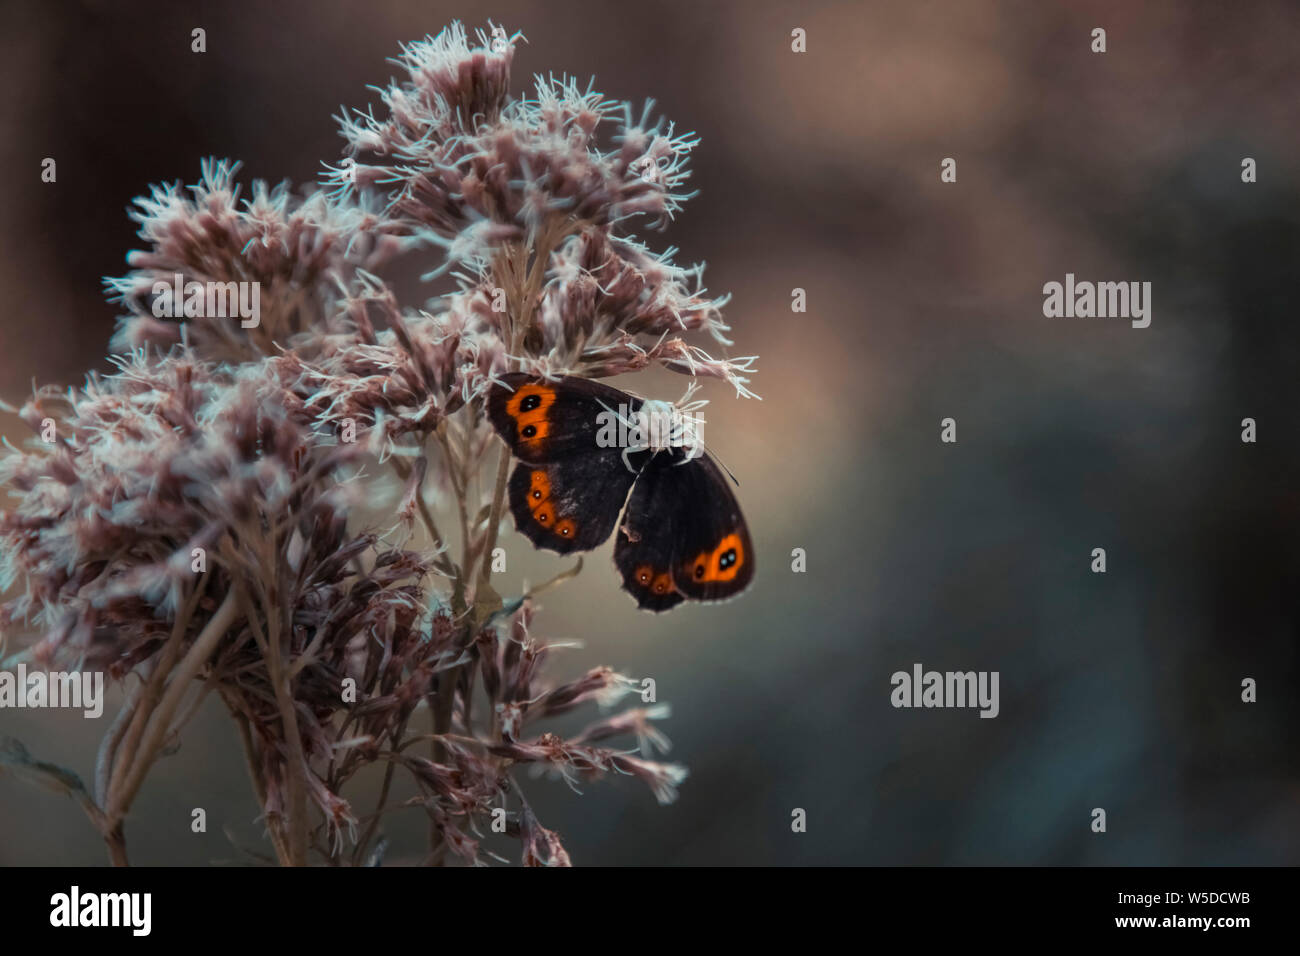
189,524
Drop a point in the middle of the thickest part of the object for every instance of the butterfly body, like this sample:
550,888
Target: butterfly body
682,535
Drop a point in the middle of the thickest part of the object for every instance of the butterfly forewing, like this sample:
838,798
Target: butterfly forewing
543,420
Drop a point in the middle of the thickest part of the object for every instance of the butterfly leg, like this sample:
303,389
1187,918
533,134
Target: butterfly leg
685,436
626,452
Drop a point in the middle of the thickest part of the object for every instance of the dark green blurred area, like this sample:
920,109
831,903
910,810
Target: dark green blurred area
821,171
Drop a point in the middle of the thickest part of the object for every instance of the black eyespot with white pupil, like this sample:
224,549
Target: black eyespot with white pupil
530,402
727,559
529,431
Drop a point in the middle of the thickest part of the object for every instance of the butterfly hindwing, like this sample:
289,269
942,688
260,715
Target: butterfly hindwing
570,504
644,547
682,535
546,420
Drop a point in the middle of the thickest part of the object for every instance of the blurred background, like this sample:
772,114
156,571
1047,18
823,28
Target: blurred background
821,171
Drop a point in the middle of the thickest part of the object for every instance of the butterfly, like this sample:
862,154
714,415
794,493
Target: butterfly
682,534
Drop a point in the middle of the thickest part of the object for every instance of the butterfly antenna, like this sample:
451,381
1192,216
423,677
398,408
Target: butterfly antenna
734,479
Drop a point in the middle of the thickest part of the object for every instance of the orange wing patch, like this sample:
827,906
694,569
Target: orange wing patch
723,563
539,503
661,583
539,489
529,407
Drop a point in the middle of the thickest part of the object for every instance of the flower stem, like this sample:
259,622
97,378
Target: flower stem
160,722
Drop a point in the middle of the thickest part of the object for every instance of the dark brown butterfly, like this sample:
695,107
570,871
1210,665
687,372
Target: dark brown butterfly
682,534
